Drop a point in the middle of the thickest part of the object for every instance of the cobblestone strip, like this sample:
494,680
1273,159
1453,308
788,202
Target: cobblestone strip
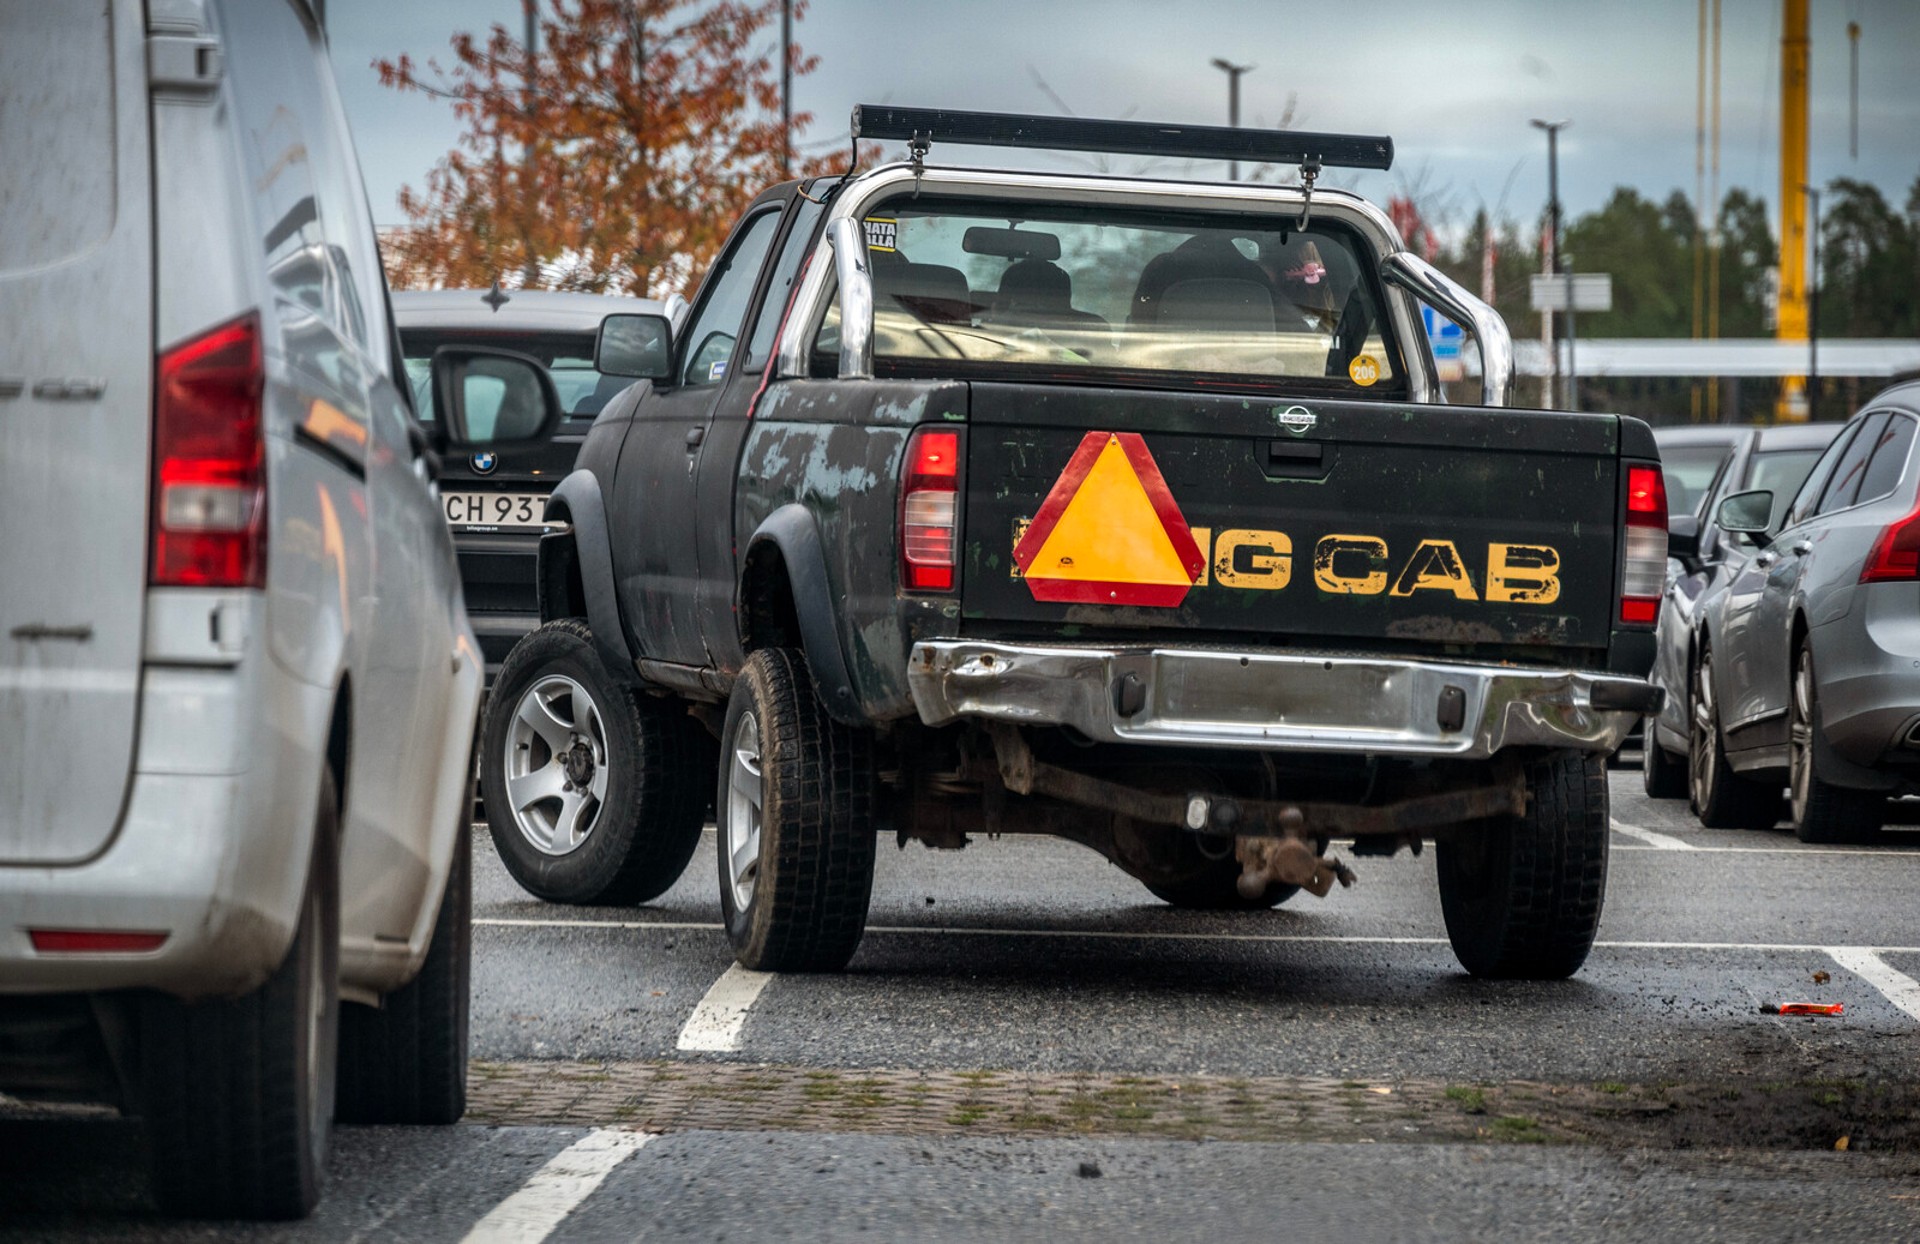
679,1096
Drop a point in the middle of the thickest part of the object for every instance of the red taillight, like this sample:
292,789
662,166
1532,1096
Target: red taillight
1646,546
94,941
929,510
209,481
1896,554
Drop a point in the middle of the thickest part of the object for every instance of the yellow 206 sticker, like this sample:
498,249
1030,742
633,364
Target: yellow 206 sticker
1364,369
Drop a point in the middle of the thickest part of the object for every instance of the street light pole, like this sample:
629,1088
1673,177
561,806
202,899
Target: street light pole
1233,73
786,89
1560,264
1813,306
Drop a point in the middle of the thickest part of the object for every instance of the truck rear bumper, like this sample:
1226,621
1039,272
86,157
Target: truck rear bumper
1276,701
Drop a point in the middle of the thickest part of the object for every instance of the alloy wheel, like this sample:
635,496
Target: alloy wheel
1800,739
744,802
556,765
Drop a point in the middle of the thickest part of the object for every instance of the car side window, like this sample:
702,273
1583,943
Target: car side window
773,308
1809,494
1844,487
1889,461
715,326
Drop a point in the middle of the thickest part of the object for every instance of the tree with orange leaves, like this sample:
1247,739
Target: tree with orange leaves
612,160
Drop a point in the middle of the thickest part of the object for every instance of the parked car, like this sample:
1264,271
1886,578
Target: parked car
496,499
1775,458
1691,456
1808,664
237,685
1130,512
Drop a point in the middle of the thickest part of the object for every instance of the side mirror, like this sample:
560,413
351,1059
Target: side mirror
1747,513
1683,539
484,397
640,346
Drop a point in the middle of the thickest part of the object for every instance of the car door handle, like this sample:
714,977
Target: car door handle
1803,548
694,436
1763,560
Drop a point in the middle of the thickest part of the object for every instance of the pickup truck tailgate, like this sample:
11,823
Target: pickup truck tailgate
1310,523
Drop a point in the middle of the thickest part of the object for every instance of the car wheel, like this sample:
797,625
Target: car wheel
1662,774
1822,812
595,794
796,822
405,1061
1522,895
238,1092
1721,798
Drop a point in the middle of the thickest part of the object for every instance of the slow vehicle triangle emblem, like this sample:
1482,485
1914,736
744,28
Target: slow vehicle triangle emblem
1109,532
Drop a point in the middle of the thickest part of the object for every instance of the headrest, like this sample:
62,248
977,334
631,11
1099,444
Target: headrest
1218,304
1036,286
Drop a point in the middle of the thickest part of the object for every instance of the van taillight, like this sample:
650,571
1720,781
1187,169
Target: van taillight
209,479
1646,538
929,508
1896,554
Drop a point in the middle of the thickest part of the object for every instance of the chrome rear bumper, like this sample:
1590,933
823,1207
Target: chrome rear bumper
1277,701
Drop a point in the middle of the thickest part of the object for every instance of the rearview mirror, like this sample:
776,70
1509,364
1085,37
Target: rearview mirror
640,346
1747,513
484,397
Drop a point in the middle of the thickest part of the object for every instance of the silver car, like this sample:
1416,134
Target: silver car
1703,559
1812,675
237,684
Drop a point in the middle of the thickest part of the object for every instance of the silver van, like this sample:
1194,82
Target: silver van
237,683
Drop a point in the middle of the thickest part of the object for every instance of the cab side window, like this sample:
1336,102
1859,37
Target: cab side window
715,326
773,308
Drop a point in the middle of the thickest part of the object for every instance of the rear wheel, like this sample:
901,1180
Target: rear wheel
405,1061
1822,812
796,822
1522,895
1721,798
595,795
1663,774
238,1093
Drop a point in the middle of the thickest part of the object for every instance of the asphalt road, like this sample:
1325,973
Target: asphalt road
1036,959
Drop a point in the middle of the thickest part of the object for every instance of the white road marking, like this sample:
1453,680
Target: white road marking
1882,852
1665,842
558,1188
715,1024
1900,989
1310,939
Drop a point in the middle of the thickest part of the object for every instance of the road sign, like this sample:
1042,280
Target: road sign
1109,532
1592,291
1442,334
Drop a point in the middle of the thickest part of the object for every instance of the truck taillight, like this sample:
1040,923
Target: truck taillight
1896,554
1646,539
209,478
929,510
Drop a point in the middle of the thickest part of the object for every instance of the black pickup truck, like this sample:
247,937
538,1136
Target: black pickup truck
1124,510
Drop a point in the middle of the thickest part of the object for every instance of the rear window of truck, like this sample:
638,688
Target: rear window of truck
1098,289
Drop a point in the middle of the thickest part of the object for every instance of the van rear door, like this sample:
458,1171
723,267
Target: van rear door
76,363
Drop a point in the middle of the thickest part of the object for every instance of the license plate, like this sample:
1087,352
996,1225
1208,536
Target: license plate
495,509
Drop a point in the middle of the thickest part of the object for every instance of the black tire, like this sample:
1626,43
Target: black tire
1721,798
238,1093
405,1061
1662,774
1198,882
1821,811
801,901
1522,895
634,832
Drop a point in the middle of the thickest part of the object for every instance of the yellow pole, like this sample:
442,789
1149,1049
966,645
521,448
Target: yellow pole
1793,203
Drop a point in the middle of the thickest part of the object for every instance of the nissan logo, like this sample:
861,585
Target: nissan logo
1296,419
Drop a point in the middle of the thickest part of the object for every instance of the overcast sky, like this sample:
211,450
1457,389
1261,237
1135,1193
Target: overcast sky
1453,83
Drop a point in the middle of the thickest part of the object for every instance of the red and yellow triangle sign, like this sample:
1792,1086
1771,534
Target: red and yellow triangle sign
1109,532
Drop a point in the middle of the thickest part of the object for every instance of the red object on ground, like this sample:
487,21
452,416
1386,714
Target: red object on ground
1812,1008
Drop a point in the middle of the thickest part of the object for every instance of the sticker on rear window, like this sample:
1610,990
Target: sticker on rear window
717,370
882,232
1363,369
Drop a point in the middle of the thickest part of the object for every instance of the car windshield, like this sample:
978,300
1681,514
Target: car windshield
1783,471
568,358
1095,291
1689,472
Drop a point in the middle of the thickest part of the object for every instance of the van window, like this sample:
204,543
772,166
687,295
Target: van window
56,132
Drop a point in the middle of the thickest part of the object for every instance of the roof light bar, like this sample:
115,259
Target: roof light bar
1145,138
